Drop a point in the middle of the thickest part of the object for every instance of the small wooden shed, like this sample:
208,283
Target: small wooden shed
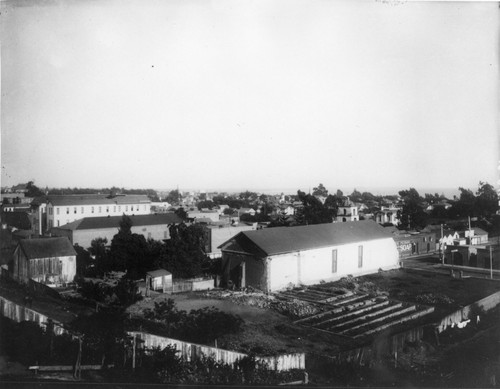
160,279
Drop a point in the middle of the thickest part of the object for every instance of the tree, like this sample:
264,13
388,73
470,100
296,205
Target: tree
466,205
83,260
206,204
127,292
125,225
228,211
184,253
333,203
412,215
247,195
103,333
320,190
356,196
487,199
313,211
129,251
100,253
181,213
174,197
33,190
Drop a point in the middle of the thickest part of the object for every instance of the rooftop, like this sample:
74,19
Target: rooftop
158,273
92,223
91,199
46,247
271,241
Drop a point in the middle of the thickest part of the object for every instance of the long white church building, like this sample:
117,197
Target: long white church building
277,258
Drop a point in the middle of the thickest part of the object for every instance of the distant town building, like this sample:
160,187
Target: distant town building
160,207
83,231
20,207
64,209
281,257
213,215
221,232
348,212
15,198
411,244
387,215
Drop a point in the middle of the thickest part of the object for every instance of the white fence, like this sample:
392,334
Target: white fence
188,351
192,351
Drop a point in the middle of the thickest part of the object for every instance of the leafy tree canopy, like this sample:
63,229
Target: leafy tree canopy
320,190
206,204
33,190
313,211
174,197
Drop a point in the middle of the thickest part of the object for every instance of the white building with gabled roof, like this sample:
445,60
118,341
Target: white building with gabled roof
64,209
276,258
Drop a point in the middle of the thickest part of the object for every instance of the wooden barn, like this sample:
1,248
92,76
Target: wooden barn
45,260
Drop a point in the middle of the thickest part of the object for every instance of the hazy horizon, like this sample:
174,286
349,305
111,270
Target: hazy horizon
249,94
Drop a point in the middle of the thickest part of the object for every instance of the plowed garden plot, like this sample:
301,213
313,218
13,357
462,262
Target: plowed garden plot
363,315
446,294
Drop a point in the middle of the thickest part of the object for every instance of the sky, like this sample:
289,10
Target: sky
250,94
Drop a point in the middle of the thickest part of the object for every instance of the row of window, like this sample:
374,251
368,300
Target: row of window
334,259
98,209
165,233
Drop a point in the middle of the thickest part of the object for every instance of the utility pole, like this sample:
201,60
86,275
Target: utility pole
491,263
470,233
441,243
133,352
453,260
78,363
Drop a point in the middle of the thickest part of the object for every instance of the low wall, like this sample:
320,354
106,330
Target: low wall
203,284
19,313
192,351
191,285
466,312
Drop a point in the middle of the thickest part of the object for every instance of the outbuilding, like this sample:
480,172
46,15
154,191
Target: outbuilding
45,260
277,258
160,279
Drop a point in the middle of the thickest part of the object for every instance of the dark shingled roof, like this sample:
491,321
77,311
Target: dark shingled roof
46,247
279,240
93,223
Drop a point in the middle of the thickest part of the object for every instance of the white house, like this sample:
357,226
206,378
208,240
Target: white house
348,212
277,258
64,209
388,215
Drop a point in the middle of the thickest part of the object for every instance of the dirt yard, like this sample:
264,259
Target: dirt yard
266,331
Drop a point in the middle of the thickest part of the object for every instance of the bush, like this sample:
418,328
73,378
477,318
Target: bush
198,326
